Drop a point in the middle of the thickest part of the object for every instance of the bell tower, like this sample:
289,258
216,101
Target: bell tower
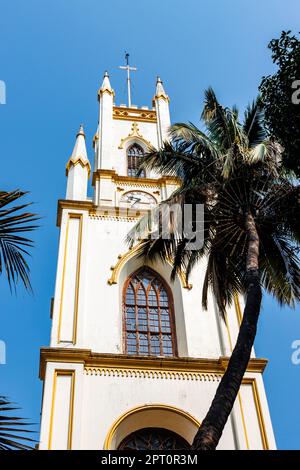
133,358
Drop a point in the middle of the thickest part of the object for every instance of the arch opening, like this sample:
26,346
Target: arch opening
167,417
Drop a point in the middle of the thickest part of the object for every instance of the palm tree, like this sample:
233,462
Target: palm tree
13,250
251,228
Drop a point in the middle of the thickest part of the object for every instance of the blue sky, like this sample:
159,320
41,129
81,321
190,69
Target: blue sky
52,57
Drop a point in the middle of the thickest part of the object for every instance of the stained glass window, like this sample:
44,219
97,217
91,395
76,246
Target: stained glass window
148,310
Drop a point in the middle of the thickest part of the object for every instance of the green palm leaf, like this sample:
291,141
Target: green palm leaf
13,246
13,430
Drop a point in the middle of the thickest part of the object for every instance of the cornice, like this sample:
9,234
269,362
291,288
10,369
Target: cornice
130,179
94,362
116,213
70,204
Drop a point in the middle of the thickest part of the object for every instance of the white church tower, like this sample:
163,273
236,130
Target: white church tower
133,357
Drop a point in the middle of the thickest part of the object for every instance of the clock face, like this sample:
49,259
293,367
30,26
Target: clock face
138,200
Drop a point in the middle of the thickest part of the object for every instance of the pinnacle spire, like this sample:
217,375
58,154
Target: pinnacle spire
79,149
160,91
106,86
79,154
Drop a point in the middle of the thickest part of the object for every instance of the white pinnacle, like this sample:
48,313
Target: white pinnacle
106,83
160,91
79,150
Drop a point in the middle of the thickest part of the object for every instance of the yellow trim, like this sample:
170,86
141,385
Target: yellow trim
139,409
255,391
122,260
134,114
238,309
134,135
239,395
244,421
228,331
77,284
261,421
64,372
141,364
105,90
157,182
77,280
78,160
72,205
161,97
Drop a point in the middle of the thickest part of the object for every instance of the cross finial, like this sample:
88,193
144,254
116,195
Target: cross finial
128,68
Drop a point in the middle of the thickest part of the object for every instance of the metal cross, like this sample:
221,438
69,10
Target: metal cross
128,68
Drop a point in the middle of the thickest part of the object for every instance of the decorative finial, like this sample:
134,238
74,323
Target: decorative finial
106,86
81,131
160,91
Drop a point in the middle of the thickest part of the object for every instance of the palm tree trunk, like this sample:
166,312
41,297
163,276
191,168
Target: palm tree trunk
210,431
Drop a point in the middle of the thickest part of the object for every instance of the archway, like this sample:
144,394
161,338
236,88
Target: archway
152,416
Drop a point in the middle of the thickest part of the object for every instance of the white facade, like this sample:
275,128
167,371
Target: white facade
95,394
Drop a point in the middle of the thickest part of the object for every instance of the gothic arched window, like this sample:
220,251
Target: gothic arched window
149,326
153,439
134,155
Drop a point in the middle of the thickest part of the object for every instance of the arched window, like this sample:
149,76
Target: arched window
148,315
134,155
153,439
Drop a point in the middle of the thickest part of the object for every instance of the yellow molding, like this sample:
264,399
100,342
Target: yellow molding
72,205
239,393
140,363
238,309
115,214
122,260
139,409
161,97
105,90
78,160
153,374
260,416
157,182
243,421
57,373
134,114
77,281
255,364
134,135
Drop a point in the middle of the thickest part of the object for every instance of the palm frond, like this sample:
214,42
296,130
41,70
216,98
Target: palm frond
254,124
12,253
218,121
13,429
280,270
